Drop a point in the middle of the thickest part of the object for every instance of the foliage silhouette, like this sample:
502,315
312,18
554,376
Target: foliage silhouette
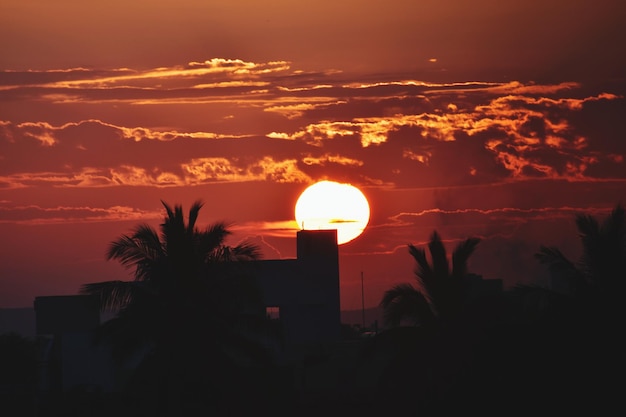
570,342
440,293
601,270
549,351
191,311
19,372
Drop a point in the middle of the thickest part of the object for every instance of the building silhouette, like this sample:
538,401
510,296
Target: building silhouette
300,295
70,359
303,293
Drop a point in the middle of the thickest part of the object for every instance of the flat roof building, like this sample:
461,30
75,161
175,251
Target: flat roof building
303,293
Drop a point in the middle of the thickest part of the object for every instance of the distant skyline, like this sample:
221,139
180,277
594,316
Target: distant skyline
500,120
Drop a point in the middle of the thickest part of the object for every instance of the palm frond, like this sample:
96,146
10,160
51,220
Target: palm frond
175,219
554,258
210,240
423,271
111,294
438,256
560,266
142,243
442,292
587,225
148,235
168,209
193,215
246,252
420,258
218,231
614,229
141,250
404,302
604,249
592,241
461,255
615,222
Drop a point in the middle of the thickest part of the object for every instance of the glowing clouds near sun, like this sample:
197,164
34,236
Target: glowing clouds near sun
331,205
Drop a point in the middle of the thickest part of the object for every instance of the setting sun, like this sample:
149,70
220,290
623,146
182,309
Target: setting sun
331,205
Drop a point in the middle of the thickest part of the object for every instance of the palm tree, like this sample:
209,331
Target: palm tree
191,300
589,318
598,279
440,293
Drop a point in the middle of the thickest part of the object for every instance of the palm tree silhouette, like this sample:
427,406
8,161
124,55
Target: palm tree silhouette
191,305
599,276
583,325
440,293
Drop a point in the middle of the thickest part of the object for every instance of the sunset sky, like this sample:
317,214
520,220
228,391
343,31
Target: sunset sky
493,119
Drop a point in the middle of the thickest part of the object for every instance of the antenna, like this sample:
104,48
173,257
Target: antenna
362,301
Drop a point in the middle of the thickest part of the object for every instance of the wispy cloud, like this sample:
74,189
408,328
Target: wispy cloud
38,215
269,122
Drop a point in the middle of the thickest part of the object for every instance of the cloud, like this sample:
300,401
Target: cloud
38,215
221,169
281,228
327,159
230,120
177,76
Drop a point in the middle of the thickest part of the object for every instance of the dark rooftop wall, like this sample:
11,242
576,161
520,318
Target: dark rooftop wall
66,313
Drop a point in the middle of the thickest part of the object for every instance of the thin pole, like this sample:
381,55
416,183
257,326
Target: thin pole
362,301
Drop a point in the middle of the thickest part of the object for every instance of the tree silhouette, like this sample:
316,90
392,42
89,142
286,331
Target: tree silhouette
440,291
190,308
582,328
598,279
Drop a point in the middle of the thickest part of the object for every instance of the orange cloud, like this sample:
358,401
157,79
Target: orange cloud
202,170
36,215
527,129
333,159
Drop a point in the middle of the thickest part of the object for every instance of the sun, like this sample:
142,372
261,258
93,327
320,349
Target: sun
333,205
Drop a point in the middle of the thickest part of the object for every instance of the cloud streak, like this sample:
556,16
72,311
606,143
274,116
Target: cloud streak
518,130
83,147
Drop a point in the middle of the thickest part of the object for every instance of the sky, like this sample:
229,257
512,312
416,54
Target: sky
501,120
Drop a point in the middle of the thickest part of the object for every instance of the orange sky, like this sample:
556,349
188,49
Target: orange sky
480,118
